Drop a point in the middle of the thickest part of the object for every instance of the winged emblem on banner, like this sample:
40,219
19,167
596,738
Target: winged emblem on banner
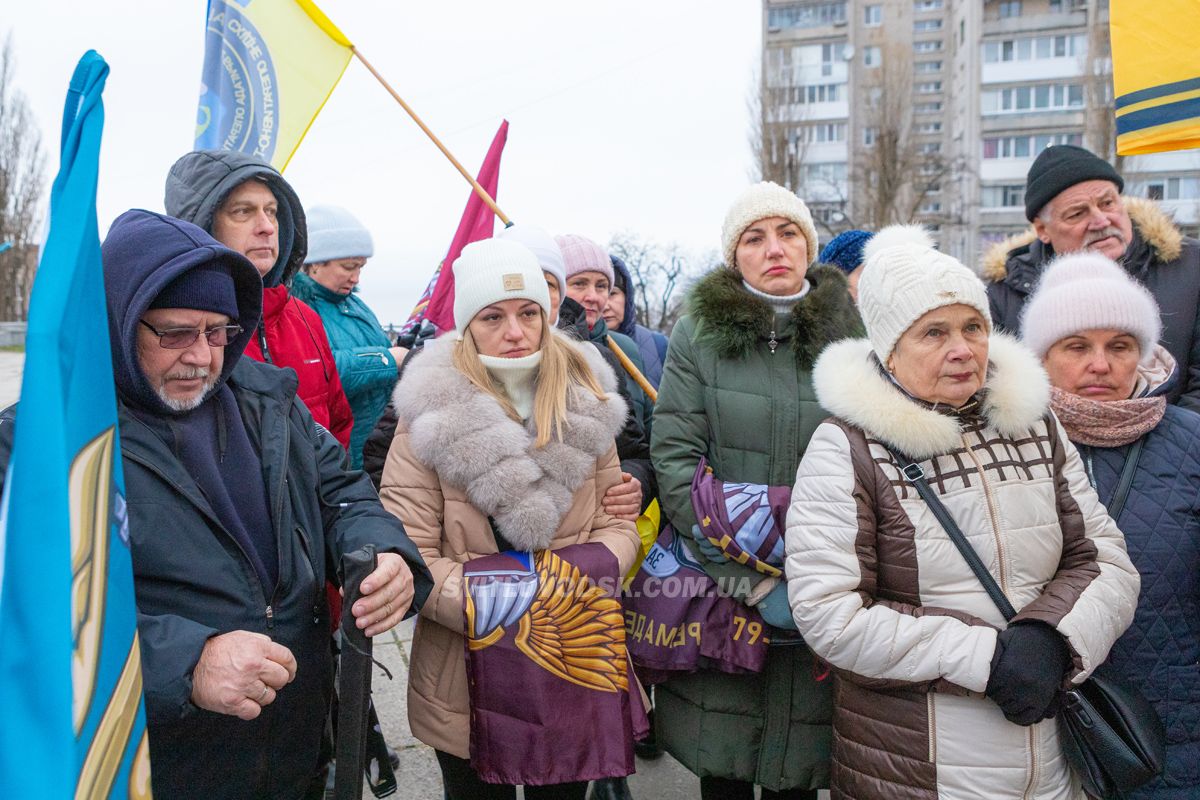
565,624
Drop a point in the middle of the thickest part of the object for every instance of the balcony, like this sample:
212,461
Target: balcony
1028,23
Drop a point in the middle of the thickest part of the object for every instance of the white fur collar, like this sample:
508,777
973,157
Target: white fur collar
465,436
849,385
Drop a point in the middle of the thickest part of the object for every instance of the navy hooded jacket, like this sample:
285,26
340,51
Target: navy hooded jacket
651,344
193,578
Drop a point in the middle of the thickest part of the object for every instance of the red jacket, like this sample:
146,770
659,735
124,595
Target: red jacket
296,338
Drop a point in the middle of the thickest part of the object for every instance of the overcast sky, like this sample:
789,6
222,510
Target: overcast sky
623,115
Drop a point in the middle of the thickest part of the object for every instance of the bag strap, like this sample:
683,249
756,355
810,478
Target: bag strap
915,473
1121,494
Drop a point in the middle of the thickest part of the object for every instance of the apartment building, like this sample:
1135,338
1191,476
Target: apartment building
988,84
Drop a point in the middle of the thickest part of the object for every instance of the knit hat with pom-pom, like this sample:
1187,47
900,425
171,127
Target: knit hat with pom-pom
905,277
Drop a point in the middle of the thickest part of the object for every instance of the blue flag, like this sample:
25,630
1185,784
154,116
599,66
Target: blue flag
70,665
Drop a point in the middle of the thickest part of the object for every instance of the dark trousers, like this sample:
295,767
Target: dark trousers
726,789
463,783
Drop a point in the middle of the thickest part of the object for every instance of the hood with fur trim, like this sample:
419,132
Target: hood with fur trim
850,385
1154,225
464,435
733,321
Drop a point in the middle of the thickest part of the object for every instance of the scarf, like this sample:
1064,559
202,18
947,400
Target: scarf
1112,423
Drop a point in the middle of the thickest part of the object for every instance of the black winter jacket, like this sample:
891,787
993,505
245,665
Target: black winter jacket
1162,258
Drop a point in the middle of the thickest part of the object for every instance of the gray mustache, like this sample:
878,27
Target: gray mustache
1111,230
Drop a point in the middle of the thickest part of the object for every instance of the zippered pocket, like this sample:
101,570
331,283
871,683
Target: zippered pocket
318,582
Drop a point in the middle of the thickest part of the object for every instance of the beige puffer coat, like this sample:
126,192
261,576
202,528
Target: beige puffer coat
450,436
878,589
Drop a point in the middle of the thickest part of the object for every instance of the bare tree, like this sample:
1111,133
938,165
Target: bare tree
658,274
22,182
897,174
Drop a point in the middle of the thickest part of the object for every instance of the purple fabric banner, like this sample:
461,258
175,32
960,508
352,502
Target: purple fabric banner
547,667
678,620
745,520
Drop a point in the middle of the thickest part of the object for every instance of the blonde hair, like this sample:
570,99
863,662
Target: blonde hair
562,370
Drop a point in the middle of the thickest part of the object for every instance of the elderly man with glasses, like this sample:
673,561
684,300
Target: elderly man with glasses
239,506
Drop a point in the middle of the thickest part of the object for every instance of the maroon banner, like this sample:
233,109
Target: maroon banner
677,619
547,667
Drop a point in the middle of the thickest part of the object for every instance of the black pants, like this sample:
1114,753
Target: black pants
463,783
726,789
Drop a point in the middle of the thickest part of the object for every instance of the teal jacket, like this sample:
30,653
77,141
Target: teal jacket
360,351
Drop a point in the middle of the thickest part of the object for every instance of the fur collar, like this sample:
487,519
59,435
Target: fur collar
849,385
1150,221
733,321
464,435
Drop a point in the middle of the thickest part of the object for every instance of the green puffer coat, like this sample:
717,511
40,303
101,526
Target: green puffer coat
737,389
360,351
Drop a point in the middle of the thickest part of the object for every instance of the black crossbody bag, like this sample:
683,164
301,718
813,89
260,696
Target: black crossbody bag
1111,735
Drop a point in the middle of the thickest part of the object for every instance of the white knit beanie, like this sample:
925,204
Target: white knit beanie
1084,292
760,201
543,247
334,232
905,277
492,270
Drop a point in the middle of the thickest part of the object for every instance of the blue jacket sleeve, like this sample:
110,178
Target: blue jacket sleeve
362,368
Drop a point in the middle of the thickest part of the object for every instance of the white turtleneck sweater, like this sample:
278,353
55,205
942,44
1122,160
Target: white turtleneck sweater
516,376
782,304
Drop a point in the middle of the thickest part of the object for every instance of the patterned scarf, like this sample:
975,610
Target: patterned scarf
1112,423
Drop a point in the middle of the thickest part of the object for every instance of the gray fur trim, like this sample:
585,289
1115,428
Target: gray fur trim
464,436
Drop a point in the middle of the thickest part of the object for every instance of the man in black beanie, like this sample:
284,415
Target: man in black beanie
1073,198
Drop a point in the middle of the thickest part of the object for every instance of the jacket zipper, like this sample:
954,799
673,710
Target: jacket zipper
1034,766
929,711
278,522
987,493
182,491
772,342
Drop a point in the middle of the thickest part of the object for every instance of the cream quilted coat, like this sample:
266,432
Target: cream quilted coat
878,589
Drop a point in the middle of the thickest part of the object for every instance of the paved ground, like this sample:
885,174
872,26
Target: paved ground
11,365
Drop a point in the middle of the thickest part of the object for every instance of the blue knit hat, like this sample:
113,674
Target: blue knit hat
334,232
845,251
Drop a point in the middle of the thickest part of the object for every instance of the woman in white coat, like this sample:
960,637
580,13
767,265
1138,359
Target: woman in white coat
937,696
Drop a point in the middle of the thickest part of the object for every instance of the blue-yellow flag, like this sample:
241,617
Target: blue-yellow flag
1156,74
269,67
70,666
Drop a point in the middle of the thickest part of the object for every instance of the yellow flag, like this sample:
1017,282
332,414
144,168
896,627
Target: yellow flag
1156,74
269,67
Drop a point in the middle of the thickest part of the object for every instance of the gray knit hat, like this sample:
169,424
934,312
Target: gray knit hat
334,232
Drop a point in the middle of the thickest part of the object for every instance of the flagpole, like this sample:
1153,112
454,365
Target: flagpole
632,369
479,190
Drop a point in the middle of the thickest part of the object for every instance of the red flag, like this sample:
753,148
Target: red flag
477,223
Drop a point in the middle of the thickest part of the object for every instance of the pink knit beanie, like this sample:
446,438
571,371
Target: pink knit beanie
581,254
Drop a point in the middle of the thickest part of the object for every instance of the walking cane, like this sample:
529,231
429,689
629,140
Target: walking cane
354,680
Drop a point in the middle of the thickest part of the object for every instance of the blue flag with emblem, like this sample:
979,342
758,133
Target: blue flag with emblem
70,666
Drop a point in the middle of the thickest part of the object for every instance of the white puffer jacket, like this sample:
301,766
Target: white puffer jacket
878,589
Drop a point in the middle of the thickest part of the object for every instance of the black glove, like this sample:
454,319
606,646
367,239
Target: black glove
1028,668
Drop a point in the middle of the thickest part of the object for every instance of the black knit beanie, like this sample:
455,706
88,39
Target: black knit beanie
1059,167
206,287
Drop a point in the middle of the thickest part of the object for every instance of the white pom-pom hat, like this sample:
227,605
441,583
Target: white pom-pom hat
904,278
1087,291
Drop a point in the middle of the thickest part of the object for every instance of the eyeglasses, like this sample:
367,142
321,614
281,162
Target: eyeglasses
183,338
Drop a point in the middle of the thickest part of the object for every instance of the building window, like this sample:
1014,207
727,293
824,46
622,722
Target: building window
1035,47
1010,195
869,136
827,56
829,172
924,25
927,5
932,207
816,93
930,46
928,108
1026,146
1022,99
1173,189
1056,6
929,87
805,15
929,148
928,66
1010,8
822,133
872,15
928,127
872,56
